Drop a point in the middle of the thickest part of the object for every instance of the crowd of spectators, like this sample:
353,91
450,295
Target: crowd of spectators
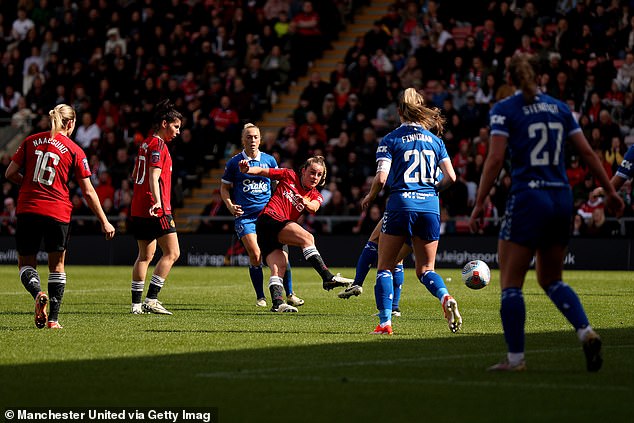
224,62
584,51
220,61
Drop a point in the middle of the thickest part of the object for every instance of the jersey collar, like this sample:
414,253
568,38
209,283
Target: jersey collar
257,157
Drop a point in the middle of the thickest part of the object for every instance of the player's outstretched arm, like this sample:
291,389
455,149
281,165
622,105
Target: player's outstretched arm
253,170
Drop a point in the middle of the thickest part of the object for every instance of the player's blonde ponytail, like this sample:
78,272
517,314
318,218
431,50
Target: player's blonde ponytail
412,108
60,116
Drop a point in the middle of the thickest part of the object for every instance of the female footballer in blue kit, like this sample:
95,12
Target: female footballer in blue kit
624,172
539,209
250,194
408,159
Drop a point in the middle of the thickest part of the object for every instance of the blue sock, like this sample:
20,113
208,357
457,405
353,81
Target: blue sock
383,294
368,257
567,301
513,313
434,284
288,280
399,277
257,279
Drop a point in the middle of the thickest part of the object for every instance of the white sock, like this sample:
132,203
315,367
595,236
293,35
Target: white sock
515,358
583,332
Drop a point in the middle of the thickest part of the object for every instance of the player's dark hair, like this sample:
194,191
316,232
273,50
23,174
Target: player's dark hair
319,160
412,108
522,75
60,116
165,111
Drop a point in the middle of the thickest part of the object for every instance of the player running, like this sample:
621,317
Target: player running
47,160
368,258
408,159
535,128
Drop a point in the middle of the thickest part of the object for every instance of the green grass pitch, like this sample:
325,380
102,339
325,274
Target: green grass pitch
317,365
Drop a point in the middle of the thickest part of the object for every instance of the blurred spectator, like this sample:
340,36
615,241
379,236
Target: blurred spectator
9,217
368,220
214,208
87,131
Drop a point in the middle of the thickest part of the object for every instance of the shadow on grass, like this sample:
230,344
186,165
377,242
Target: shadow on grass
378,379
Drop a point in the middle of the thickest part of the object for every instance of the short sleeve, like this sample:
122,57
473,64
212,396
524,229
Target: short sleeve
498,121
383,151
229,177
81,166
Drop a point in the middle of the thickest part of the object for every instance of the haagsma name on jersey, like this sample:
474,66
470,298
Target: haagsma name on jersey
52,141
255,187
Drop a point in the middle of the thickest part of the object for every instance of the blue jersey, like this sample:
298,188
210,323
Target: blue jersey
414,153
626,169
536,136
249,191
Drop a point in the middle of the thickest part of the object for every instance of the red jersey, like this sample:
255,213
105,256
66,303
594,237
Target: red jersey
283,204
48,164
153,152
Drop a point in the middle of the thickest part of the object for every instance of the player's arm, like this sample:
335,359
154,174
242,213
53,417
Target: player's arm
13,173
490,171
153,182
93,202
382,171
613,201
310,206
253,170
225,194
449,175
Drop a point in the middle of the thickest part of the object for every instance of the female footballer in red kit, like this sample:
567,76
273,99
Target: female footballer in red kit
277,225
42,166
152,221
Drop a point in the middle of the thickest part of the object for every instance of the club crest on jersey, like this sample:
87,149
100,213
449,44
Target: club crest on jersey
155,157
498,119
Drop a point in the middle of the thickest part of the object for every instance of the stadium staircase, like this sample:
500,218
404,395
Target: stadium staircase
187,217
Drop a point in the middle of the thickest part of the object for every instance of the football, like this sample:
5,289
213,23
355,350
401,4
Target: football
476,274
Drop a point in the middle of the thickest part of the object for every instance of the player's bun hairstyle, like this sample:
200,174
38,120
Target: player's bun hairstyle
319,160
60,116
522,74
412,108
165,111
247,126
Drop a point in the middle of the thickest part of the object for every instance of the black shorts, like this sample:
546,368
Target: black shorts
268,229
151,228
33,228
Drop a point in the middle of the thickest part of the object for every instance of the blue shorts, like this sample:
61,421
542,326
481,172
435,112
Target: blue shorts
538,218
245,225
423,225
